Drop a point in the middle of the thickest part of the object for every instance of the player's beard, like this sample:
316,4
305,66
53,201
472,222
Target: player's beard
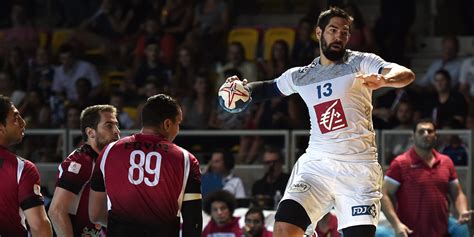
102,141
330,54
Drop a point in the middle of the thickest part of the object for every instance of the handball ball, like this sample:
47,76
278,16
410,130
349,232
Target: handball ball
234,97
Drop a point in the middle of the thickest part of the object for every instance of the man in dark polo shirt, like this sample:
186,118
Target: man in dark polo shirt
142,184
69,207
418,183
20,192
274,180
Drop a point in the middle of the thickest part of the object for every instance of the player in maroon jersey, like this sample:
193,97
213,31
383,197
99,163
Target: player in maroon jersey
143,183
20,194
69,207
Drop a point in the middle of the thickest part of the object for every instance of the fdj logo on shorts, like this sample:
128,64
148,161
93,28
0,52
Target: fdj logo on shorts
364,210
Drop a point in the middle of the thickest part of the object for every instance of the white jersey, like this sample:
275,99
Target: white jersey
340,107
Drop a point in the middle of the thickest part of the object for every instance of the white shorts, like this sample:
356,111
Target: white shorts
352,188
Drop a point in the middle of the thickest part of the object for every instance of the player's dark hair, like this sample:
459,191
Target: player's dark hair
221,196
326,16
157,109
257,210
423,120
5,105
229,161
90,117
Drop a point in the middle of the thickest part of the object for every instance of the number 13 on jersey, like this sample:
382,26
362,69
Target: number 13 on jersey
325,90
141,163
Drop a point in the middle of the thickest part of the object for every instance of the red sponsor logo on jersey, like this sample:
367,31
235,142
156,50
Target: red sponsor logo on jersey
330,116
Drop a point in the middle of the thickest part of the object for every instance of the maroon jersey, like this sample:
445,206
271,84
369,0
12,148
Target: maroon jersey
19,191
146,178
422,195
74,175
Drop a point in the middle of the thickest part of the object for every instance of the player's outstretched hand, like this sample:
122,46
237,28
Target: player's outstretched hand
465,216
233,78
402,230
372,81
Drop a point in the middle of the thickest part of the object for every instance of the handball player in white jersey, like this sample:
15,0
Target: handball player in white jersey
339,168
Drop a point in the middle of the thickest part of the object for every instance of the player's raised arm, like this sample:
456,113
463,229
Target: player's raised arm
392,75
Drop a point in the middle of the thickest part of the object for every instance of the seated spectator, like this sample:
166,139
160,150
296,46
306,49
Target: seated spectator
184,73
386,104
448,108
70,70
361,37
236,60
17,67
220,205
177,18
255,224
152,69
450,61
83,91
153,32
199,105
456,150
125,121
404,117
21,33
35,110
274,180
41,73
466,78
7,88
221,165
210,27
279,60
304,47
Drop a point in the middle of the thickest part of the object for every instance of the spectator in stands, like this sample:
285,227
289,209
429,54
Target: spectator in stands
211,24
274,180
236,60
199,106
7,88
70,70
152,69
456,150
185,72
35,110
419,173
152,31
386,104
450,61
17,67
125,120
466,78
404,116
41,73
222,164
21,33
392,28
255,224
83,91
220,205
448,108
177,18
327,226
361,36
304,47
279,60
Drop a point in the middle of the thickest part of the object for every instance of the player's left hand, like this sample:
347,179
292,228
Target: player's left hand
372,81
465,216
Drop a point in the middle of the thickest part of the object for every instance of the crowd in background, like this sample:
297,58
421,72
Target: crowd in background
120,52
